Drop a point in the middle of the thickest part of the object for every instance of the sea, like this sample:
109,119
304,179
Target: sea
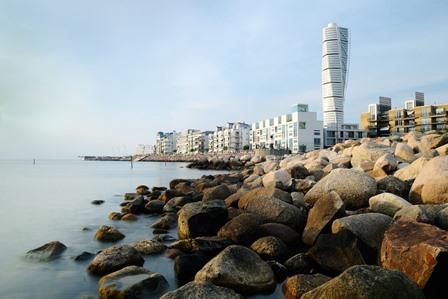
50,200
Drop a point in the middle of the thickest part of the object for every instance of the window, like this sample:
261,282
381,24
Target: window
317,133
359,134
316,141
302,125
302,148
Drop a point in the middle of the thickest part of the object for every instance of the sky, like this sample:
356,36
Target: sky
99,77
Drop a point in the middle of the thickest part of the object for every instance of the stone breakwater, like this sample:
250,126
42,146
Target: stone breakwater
364,219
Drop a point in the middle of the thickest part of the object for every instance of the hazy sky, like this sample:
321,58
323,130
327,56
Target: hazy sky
98,77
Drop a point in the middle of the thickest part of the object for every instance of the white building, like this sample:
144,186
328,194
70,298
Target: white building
335,56
144,149
166,142
193,141
233,137
299,131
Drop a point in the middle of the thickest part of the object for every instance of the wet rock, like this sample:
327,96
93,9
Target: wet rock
392,184
321,214
387,203
167,195
285,233
300,263
219,192
368,227
142,190
115,258
354,188
47,252
187,265
431,184
115,216
164,238
335,253
202,290
176,203
131,282
240,269
270,248
243,229
136,206
108,234
148,247
154,207
210,245
201,219
280,271
298,285
84,256
367,282
129,217
129,196
420,251
175,182
97,202
167,221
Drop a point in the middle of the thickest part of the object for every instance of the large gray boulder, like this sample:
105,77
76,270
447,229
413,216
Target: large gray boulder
240,269
47,252
201,219
279,179
404,152
368,151
115,258
243,229
131,282
217,192
354,188
149,247
367,282
411,171
387,203
202,290
431,184
387,163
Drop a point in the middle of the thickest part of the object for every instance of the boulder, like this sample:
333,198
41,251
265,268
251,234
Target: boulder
442,219
187,265
114,216
411,171
97,202
272,209
154,207
135,206
421,213
176,203
442,150
142,190
298,171
247,196
84,256
167,221
279,270
404,152
201,219
243,229
300,263
47,252
368,152
285,233
387,163
297,285
369,227
131,282
392,184
304,185
420,251
269,166
108,234
367,282
202,290
240,269
209,245
431,184
354,187
270,248
321,214
129,217
130,196
115,258
148,247
218,192
335,253
387,203
279,179
432,141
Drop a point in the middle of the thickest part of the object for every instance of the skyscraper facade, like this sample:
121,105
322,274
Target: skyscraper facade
335,55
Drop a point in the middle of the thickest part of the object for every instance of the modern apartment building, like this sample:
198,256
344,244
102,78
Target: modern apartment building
192,141
335,57
299,131
233,137
376,120
342,133
166,142
415,116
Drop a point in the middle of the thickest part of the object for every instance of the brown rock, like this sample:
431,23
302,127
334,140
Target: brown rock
297,285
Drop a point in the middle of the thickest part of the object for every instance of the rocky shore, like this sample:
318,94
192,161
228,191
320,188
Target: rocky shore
364,219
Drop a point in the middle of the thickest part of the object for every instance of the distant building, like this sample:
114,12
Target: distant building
233,137
144,149
335,56
342,133
415,116
193,141
298,132
166,142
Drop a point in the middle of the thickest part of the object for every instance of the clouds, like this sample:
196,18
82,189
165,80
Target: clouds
87,77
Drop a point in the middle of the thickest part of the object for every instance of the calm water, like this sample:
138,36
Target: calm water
51,201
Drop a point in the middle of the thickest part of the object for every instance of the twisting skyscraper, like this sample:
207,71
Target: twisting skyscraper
335,47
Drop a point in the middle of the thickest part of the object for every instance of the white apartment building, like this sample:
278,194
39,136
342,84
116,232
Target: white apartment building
193,141
299,131
233,137
166,142
335,57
